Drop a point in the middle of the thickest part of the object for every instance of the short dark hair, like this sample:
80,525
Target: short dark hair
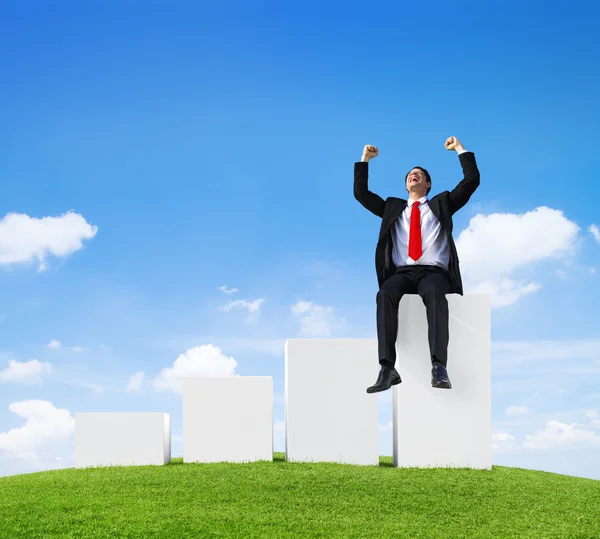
427,177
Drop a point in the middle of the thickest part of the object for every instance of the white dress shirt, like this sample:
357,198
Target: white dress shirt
435,244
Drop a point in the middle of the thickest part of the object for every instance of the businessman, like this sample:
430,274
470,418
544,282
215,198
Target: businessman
416,254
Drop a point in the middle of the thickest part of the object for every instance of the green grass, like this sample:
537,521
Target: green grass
281,499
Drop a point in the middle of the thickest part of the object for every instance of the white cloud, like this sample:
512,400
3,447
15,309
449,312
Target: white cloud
592,414
551,349
44,423
95,388
316,320
517,410
502,292
55,344
557,435
28,462
228,291
503,437
518,352
562,274
30,372
135,382
24,239
493,247
235,345
504,442
252,306
555,368
205,360
243,346
592,271
595,231
387,427
279,431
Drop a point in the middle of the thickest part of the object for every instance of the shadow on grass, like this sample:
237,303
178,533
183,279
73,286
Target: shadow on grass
384,462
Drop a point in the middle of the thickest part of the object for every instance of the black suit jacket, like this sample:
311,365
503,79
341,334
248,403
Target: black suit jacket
443,205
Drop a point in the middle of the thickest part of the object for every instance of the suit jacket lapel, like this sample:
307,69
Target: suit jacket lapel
434,205
399,207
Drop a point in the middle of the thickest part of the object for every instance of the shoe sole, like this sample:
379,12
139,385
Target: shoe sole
441,385
395,383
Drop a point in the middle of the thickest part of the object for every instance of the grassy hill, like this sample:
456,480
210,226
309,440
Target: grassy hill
281,499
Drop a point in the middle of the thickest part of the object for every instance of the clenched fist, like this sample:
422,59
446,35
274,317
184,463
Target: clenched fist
452,143
369,152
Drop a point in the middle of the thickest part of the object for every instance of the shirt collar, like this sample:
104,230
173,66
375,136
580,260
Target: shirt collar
422,201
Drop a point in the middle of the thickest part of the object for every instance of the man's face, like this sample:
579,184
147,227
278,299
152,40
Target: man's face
416,181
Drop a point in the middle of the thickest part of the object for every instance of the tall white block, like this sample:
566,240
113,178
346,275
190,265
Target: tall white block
228,419
329,415
444,427
122,438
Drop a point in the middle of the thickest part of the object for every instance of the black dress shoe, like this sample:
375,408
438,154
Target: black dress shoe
386,379
439,377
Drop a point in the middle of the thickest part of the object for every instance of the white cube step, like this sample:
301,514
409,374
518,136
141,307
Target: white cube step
228,419
444,427
329,415
122,438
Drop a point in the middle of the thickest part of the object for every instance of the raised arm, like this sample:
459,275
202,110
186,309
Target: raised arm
461,194
374,203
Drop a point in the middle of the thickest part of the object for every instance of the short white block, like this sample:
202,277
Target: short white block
122,438
228,419
444,427
329,415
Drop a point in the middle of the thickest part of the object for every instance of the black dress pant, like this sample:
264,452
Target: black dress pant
432,283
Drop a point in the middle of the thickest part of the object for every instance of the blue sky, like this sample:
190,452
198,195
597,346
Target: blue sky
154,153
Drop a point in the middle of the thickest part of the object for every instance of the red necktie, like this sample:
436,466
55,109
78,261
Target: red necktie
415,248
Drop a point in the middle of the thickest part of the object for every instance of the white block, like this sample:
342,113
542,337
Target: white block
228,419
122,438
329,415
444,427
